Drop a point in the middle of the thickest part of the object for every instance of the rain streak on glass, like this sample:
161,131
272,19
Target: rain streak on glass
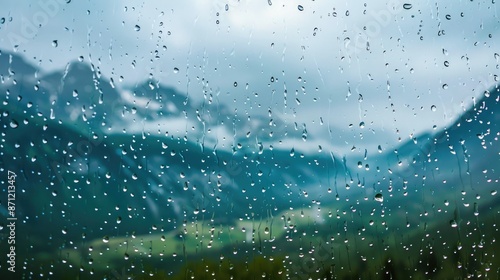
249,139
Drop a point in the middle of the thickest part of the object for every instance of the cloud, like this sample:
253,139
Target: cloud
324,59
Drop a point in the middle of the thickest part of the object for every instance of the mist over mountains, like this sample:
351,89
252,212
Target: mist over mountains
96,160
85,160
84,126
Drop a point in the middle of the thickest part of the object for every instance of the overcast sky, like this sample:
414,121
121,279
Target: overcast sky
398,68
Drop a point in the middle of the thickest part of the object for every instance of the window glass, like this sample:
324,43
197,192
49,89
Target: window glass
237,139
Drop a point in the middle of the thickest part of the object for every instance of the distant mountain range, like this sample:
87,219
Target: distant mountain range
460,163
96,161
465,155
78,169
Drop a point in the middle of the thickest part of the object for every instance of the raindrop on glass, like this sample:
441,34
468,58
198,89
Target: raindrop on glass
14,124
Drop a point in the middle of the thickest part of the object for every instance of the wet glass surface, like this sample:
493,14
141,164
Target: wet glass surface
249,140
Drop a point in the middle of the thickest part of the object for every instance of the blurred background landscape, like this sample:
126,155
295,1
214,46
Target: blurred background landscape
344,142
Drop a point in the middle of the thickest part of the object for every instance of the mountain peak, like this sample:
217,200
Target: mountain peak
14,64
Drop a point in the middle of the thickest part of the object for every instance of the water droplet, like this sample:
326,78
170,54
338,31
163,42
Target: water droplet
176,70
137,28
448,17
14,124
379,197
407,6
433,108
105,239
445,86
347,41
453,223
55,44
446,63
300,8
362,125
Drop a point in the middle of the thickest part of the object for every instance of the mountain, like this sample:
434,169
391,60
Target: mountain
82,97
13,66
458,164
465,154
99,164
84,173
